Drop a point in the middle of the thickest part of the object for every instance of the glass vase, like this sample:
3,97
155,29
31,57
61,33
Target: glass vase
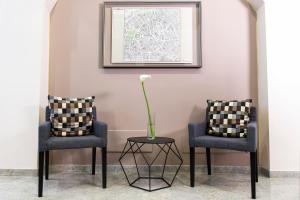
149,129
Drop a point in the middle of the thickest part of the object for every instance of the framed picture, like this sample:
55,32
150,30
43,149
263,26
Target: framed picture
152,34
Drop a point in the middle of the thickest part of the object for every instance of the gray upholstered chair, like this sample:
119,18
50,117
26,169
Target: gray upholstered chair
48,142
198,137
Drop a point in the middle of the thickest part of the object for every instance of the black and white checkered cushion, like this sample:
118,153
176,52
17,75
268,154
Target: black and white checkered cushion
228,118
71,116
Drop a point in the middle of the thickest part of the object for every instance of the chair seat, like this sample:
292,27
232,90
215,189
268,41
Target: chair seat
75,142
239,144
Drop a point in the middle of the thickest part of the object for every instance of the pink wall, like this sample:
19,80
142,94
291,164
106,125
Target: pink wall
178,96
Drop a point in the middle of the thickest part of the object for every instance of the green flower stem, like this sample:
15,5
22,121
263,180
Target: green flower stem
152,130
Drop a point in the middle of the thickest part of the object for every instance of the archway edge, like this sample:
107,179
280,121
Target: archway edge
47,7
256,4
50,4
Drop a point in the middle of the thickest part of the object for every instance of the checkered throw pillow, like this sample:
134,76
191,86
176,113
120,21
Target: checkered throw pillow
228,118
71,116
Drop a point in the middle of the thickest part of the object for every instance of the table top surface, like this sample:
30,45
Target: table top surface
157,140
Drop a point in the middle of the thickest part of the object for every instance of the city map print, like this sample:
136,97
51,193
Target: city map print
152,35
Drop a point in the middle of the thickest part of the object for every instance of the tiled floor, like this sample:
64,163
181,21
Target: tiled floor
75,186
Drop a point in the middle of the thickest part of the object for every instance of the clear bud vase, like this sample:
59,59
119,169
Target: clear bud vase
149,137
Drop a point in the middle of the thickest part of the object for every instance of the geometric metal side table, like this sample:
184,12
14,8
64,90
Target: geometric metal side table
166,146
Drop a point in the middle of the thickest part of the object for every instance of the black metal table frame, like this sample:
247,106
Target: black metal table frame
131,145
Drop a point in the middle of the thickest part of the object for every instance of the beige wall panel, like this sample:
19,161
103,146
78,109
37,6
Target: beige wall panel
178,96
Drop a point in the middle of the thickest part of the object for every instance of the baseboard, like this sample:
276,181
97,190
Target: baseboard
279,174
117,168
18,172
265,172
201,169
286,174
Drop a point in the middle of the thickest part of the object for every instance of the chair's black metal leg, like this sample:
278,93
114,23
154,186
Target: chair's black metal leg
256,163
208,161
192,166
41,171
253,174
47,165
104,163
94,160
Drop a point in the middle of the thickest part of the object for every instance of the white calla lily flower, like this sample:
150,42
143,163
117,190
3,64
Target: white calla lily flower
143,77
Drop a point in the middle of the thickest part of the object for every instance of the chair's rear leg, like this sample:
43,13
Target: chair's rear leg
47,165
256,163
192,166
93,160
41,171
208,161
253,174
104,169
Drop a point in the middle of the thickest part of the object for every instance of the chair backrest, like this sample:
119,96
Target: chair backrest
253,115
48,112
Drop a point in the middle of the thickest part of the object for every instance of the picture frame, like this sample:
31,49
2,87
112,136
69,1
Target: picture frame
151,34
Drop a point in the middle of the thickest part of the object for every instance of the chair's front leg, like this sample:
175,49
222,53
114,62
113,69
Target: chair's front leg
94,160
192,166
41,171
208,161
104,169
253,174
47,165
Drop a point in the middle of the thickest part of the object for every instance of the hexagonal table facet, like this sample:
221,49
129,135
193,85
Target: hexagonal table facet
150,176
